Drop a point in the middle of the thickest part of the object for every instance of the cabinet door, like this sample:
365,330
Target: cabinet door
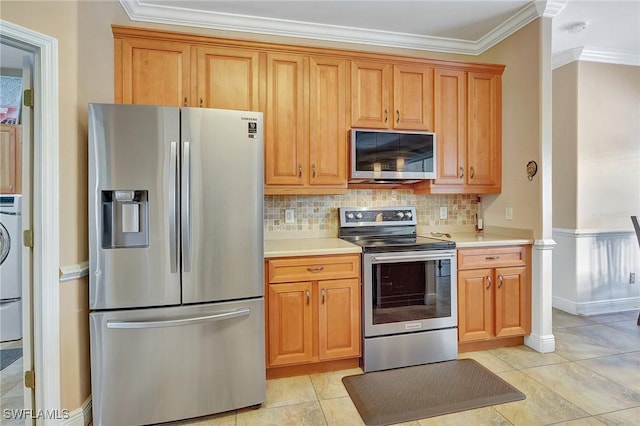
285,124
328,121
10,159
484,131
412,97
370,95
512,302
226,78
475,305
339,318
151,72
290,327
450,125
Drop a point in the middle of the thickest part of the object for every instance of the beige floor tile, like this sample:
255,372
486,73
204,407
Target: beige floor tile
623,417
341,411
623,369
630,327
488,360
618,316
289,391
520,357
11,376
609,337
329,385
542,405
562,319
575,347
587,421
307,414
586,389
479,416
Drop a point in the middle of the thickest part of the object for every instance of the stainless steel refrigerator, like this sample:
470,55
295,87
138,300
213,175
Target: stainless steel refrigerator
176,288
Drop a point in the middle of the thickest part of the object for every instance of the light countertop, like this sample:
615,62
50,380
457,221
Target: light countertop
480,239
307,247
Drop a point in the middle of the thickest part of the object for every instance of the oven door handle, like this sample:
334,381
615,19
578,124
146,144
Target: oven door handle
418,258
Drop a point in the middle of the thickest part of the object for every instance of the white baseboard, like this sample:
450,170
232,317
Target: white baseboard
542,344
597,307
81,416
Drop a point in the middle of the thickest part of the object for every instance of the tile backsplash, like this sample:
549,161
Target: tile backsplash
320,212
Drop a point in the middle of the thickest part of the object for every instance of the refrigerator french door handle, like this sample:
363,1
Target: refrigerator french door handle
186,206
173,210
243,312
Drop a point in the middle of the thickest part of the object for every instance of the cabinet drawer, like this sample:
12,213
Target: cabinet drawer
309,268
491,257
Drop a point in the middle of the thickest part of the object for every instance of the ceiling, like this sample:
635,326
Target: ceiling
611,33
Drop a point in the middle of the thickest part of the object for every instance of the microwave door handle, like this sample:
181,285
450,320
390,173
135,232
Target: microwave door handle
417,258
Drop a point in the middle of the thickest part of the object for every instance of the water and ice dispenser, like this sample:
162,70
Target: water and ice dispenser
125,219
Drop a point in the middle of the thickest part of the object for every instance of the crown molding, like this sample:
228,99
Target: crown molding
161,14
590,54
551,8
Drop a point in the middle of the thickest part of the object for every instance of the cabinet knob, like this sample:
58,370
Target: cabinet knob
315,269
322,292
308,296
300,170
488,285
472,173
313,169
386,115
461,172
492,257
201,102
499,281
185,101
397,116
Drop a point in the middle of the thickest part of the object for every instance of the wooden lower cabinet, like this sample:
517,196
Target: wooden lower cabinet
313,321
494,302
10,159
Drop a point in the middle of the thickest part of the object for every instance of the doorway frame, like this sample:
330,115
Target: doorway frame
46,233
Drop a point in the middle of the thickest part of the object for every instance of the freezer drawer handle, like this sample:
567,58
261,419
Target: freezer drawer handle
179,322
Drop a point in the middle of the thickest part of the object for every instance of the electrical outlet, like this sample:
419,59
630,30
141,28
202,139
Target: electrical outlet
289,216
508,213
443,212
632,278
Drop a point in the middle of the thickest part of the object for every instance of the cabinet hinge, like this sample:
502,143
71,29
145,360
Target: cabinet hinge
30,379
27,238
28,98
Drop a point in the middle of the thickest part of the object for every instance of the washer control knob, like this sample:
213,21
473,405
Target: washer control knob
358,215
400,215
408,215
350,215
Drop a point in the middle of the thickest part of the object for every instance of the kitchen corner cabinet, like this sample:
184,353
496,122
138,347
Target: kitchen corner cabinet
306,129
391,96
494,296
10,159
313,309
468,126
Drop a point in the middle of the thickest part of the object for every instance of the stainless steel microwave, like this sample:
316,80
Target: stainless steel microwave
378,156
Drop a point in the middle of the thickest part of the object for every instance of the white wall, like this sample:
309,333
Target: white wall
597,152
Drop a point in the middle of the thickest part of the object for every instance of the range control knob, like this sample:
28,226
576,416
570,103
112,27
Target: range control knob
350,215
408,215
400,215
358,215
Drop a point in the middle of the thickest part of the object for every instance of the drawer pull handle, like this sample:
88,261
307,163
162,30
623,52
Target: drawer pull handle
316,269
322,292
308,296
489,285
492,257
500,280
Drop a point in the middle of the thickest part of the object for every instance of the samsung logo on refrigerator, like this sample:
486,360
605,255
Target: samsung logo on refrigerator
249,118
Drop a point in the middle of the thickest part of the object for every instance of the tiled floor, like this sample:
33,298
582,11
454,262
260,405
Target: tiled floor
11,388
593,378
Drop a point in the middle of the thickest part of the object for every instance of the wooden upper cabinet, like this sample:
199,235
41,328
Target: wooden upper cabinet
484,124
328,121
412,97
10,159
226,78
385,96
468,126
152,72
285,120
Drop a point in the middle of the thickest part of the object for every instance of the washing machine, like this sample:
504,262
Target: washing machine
10,267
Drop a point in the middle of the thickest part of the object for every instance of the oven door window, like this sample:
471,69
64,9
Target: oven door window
411,291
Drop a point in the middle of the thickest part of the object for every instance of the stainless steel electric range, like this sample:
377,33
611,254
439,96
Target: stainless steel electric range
409,284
